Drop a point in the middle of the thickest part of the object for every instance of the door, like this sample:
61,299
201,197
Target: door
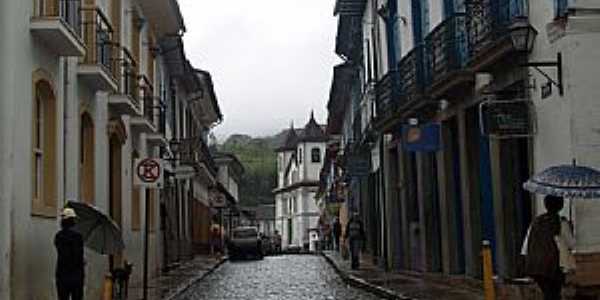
115,186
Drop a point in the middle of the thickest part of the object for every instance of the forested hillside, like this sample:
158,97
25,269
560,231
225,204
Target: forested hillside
260,161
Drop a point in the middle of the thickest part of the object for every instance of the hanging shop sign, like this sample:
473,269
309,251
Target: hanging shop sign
507,119
149,172
424,138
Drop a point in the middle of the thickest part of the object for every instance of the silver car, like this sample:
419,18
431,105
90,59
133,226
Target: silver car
245,241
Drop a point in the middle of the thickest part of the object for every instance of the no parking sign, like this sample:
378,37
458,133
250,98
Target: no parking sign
149,172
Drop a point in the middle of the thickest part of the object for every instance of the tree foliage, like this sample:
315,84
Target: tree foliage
260,163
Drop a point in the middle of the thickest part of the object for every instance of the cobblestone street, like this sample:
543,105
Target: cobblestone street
280,277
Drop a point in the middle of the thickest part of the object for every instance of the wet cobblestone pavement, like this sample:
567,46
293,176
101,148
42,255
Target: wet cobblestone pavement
281,277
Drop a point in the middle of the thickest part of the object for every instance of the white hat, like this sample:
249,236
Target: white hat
68,213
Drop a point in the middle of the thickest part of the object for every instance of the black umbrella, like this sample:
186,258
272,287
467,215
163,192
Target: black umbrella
99,231
567,181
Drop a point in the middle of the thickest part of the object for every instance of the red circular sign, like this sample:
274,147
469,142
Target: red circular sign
149,170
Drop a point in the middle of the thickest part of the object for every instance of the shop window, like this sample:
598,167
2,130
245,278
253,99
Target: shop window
44,164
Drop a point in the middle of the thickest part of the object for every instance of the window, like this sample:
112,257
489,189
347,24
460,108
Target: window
315,154
561,8
44,195
300,155
87,157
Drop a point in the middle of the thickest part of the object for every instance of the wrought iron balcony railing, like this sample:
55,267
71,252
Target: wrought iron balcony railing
69,12
412,73
387,94
129,77
98,37
147,94
490,20
446,48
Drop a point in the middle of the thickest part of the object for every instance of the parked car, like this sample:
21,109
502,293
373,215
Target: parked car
244,242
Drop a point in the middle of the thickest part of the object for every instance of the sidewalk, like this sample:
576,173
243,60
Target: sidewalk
393,285
168,285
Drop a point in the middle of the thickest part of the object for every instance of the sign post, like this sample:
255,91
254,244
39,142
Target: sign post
149,173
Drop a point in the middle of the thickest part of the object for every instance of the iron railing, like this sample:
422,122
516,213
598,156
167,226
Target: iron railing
129,77
387,94
446,48
147,94
489,20
98,37
412,73
69,12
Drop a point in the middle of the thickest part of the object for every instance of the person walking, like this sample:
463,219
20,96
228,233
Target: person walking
355,235
70,262
542,255
337,232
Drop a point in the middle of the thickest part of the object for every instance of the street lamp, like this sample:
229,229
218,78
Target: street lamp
522,35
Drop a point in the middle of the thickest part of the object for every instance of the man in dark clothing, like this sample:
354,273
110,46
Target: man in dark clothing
70,262
542,256
337,232
355,235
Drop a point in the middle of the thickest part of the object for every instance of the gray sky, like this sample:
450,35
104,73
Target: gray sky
271,60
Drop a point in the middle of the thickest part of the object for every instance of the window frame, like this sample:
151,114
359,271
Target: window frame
44,147
315,153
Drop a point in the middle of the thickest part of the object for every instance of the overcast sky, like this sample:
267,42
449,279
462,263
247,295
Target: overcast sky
271,60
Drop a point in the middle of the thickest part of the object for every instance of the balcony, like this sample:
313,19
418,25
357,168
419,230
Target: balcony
387,96
98,68
447,55
57,23
488,25
145,123
126,100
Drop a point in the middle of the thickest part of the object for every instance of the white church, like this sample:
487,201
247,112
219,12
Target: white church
299,162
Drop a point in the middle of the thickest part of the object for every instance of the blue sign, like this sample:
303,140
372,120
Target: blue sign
425,138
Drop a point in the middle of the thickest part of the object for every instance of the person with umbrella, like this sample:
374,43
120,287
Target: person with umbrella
542,254
70,262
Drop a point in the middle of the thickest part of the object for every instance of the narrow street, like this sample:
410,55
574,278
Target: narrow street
278,277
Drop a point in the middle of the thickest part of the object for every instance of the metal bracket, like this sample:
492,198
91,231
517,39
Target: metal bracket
558,64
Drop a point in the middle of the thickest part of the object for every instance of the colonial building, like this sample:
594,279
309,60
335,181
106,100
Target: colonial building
299,161
423,95
94,85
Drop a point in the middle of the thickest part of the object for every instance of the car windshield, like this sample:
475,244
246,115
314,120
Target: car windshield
244,233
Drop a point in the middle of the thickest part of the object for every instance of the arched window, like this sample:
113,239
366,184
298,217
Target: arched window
315,155
44,150
87,159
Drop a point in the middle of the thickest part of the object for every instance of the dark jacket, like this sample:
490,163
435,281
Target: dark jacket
355,230
542,252
70,263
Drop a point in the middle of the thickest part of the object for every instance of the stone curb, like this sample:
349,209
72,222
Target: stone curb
192,281
363,284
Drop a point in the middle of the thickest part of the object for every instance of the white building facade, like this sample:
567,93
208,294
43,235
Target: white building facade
88,93
299,162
